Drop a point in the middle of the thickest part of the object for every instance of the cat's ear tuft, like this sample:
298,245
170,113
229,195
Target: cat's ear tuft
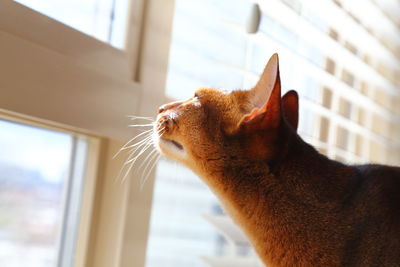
290,106
268,115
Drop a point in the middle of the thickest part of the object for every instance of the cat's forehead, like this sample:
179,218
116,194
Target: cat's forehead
231,98
212,92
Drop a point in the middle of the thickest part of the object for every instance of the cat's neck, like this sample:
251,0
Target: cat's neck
272,200
301,172
305,171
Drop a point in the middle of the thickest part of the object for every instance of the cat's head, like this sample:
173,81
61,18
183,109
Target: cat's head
216,125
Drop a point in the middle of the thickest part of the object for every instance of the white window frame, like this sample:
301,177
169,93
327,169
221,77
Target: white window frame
59,78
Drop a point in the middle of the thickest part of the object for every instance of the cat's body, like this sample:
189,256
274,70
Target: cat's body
297,207
349,216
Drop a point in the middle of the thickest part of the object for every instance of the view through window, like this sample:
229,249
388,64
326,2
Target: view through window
39,178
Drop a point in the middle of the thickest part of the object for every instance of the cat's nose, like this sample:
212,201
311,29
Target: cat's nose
161,109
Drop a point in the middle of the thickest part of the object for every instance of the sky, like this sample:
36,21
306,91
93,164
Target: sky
34,148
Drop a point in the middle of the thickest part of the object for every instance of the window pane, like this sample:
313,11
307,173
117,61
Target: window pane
103,19
35,173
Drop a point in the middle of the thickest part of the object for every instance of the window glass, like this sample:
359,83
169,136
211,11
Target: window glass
102,19
35,179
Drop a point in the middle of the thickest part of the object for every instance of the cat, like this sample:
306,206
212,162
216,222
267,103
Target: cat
296,206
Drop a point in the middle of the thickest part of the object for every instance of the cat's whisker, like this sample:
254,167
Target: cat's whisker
131,147
135,137
146,163
138,146
127,172
155,160
141,134
141,125
120,173
146,158
126,145
160,131
131,161
140,118
133,151
147,173
133,155
144,148
138,143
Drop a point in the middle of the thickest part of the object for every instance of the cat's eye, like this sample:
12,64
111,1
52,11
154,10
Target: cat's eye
196,96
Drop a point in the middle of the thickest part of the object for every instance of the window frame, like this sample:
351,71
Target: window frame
56,77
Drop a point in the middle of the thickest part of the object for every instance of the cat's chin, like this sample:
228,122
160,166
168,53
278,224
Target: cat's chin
171,148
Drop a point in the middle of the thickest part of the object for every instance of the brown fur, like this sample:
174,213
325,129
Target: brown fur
297,207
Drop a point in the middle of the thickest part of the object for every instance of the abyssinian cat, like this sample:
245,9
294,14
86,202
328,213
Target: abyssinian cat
297,207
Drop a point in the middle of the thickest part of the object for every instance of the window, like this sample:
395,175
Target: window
330,52
55,76
41,176
103,19
77,83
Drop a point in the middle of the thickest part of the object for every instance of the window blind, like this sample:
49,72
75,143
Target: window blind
341,56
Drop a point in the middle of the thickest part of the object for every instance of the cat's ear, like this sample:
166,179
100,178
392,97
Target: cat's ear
260,93
267,115
290,106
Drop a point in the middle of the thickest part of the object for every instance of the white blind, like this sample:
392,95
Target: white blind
341,56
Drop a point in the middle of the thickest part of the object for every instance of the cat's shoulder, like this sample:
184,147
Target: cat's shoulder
380,184
379,171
